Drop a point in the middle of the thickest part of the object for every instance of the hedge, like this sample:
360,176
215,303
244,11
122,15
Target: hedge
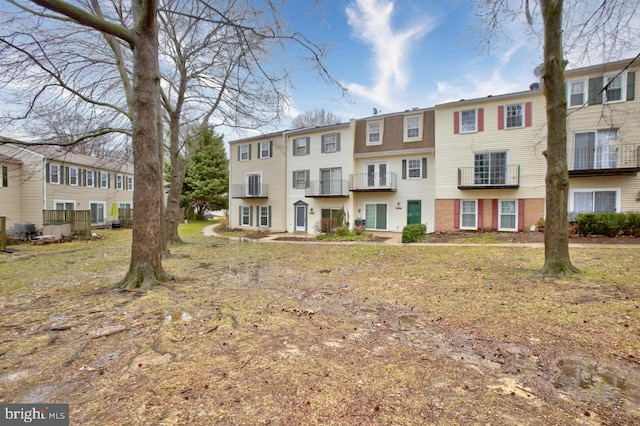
608,224
413,232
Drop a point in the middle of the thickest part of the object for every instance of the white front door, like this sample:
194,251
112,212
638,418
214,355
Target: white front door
301,218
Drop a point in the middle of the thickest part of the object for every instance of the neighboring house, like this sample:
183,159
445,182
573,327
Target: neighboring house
319,162
48,178
490,170
603,138
393,180
257,183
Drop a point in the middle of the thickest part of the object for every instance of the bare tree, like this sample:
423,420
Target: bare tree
593,23
316,117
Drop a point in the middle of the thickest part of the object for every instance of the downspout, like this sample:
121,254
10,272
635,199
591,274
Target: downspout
44,184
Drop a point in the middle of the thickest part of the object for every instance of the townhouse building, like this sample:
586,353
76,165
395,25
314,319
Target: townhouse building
490,170
393,183
318,165
37,178
257,183
603,138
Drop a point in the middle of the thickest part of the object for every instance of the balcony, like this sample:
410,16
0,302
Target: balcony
250,191
609,160
507,177
332,188
373,182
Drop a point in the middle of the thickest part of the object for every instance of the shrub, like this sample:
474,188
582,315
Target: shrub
342,231
413,232
609,224
359,230
632,226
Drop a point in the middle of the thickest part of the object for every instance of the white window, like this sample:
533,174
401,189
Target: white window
376,216
330,142
414,168
508,215
254,184
245,215
64,205
119,182
54,173
129,183
300,179
490,168
301,146
377,176
595,150
468,121
244,152
73,176
124,205
98,209
89,178
264,149
595,200
615,89
265,216
374,133
577,93
104,180
469,214
331,181
413,128
514,116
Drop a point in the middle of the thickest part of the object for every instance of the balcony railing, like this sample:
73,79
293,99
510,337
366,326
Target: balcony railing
250,191
373,182
327,188
489,177
604,160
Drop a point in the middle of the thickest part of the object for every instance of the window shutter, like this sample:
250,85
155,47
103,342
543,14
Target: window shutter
251,215
240,215
631,85
258,150
494,215
521,214
108,180
269,218
528,119
456,122
456,214
337,141
424,168
270,149
46,172
308,145
306,179
595,91
323,139
480,215
238,152
480,113
249,151
61,175
404,169
293,179
501,117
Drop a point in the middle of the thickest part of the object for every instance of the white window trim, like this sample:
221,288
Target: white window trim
93,178
125,205
106,175
260,156
585,93
129,183
105,212
573,191
295,183
500,227
243,215
381,133
56,201
475,126
323,141
77,176
475,225
405,128
120,182
57,167
260,183
307,146
522,109
260,216
419,160
623,88
242,152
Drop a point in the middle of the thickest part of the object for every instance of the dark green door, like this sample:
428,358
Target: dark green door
414,208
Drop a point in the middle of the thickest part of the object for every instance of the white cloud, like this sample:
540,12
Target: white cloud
371,22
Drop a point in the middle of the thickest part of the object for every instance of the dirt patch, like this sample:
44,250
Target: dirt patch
521,238
325,334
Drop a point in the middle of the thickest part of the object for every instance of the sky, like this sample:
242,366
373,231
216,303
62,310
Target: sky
396,55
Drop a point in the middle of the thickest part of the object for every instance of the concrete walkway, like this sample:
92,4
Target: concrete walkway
395,238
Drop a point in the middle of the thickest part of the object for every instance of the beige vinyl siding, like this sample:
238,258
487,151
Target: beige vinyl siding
524,147
313,162
11,194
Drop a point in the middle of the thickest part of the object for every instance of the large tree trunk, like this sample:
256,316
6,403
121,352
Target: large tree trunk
146,254
556,237
173,213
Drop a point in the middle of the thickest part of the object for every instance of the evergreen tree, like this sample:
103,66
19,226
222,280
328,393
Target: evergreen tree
207,181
